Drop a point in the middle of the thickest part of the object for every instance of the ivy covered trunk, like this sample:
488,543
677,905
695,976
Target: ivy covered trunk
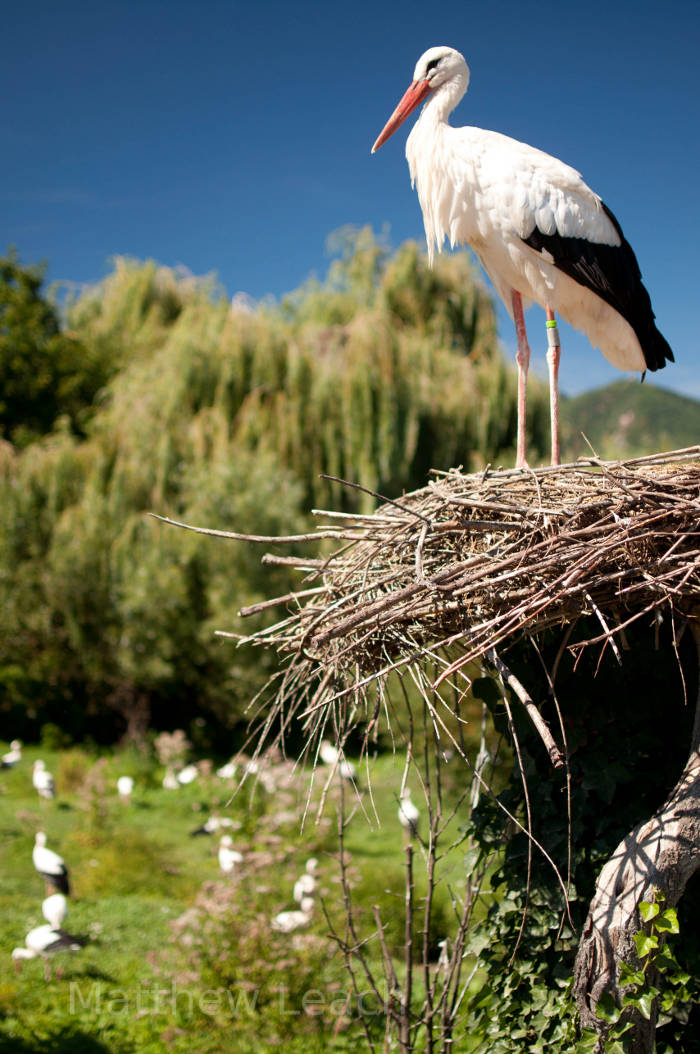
658,855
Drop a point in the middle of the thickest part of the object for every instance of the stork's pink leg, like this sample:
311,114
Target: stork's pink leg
523,360
553,356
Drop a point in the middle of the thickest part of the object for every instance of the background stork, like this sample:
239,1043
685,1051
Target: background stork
540,233
44,941
50,866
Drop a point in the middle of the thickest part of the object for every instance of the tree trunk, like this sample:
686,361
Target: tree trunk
661,853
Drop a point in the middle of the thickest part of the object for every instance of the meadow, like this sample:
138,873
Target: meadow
181,957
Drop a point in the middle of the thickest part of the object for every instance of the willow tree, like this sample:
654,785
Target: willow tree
225,414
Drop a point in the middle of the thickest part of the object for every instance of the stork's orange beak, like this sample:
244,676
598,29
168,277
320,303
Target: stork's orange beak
412,97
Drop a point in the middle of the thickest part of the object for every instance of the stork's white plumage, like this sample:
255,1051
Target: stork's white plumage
328,754
125,786
332,756
213,824
227,771
228,856
540,233
44,941
347,770
50,865
187,775
13,755
54,909
43,780
409,814
288,921
307,883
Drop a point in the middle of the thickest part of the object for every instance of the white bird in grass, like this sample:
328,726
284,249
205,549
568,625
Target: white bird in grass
227,771
228,856
540,233
307,883
13,755
214,824
333,757
187,775
408,812
54,909
43,780
43,942
288,921
125,786
50,865
328,754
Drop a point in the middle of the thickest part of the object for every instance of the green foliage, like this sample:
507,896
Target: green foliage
628,419
44,373
620,770
179,958
224,417
656,981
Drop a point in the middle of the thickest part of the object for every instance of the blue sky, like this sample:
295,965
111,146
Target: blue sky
234,138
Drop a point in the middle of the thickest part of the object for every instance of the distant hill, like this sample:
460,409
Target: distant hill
628,419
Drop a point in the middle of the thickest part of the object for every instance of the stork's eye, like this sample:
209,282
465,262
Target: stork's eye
432,65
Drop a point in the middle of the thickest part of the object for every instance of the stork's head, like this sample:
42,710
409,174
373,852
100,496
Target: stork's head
40,839
437,68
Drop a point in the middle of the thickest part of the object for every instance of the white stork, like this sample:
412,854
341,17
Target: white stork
44,941
125,787
227,771
307,883
187,775
228,856
288,921
334,758
13,755
540,233
54,909
50,865
43,780
408,812
213,824
329,754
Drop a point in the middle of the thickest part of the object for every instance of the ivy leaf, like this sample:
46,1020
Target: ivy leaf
587,1043
646,943
668,922
630,976
648,911
606,1008
646,1002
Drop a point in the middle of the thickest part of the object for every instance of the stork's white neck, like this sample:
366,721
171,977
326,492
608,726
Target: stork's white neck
429,152
443,99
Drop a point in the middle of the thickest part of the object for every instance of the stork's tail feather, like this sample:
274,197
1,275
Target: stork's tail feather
656,349
71,939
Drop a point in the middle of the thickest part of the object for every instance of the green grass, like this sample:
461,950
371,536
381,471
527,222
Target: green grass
136,870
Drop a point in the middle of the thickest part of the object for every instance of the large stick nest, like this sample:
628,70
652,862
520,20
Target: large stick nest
479,558
454,570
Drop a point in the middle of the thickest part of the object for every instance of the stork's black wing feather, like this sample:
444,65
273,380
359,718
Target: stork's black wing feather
59,880
613,274
63,939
